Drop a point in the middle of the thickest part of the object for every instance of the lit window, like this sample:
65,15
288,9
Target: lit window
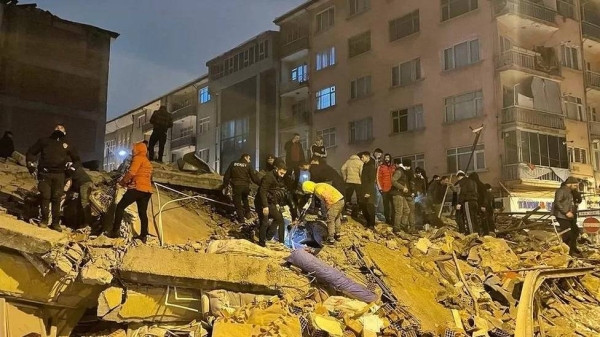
325,58
325,98
204,95
300,73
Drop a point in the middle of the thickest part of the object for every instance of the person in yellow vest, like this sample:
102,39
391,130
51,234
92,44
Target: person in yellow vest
334,203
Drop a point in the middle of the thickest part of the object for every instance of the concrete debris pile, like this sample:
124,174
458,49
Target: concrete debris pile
208,280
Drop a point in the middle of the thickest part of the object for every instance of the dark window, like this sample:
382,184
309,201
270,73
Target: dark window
359,44
454,8
404,26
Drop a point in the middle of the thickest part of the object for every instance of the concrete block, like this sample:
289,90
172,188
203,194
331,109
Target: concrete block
148,305
208,271
208,181
21,236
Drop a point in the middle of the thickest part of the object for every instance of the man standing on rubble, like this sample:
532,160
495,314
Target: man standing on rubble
385,171
333,200
367,188
161,121
54,154
271,198
564,211
139,190
240,174
402,196
467,204
294,154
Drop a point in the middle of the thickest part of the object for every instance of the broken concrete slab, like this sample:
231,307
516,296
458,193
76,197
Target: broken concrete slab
98,269
207,181
21,236
20,279
149,304
188,269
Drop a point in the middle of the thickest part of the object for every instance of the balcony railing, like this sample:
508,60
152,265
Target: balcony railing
534,117
292,85
147,127
529,60
592,79
590,30
186,111
183,141
525,8
298,118
522,171
295,46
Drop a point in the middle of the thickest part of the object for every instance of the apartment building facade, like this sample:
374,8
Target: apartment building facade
414,77
53,71
243,89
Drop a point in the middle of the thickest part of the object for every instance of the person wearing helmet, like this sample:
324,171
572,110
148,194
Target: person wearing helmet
334,203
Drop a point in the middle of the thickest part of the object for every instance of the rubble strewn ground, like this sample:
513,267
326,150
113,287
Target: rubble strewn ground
209,279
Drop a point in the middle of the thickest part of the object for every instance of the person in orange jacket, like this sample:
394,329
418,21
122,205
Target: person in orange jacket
139,190
385,171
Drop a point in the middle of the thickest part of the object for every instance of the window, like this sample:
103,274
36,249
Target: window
204,154
574,108
592,114
404,26
458,158
234,139
577,155
406,73
464,106
360,87
187,131
325,19
204,95
358,6
325,98
407,119
454,8
570,57
325,58
416,160
537,149
461,55
361,130
263,50
328,137
596,158
359,44
566,8
141,121
203,125
300,73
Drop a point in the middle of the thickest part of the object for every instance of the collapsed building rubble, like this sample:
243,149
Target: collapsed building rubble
209,279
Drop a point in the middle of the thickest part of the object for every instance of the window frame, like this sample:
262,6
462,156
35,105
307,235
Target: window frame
578,155
205,96
319,22
466,150
361,87
478,111
352,129
415,159
199,154
328,134
355,3
416,73
576,103
447,5
203,125
404,18
355,40
567,58
328,55
470,59
332,97
418,119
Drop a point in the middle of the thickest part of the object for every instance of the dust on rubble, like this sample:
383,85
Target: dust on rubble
210,279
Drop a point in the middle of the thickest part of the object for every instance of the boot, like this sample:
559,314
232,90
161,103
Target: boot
56,227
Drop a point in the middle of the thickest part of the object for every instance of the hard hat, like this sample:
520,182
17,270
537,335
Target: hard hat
308,187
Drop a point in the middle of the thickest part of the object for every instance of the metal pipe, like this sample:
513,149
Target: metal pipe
167,304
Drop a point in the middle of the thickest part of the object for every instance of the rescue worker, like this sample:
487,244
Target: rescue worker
401,192
333,200
367,188
161,121
271,198
54,154
564,211
385,171
82,184
467,204
7,146
240,174
137,180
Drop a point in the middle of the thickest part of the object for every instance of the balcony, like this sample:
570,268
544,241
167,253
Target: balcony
295,49
528,61
147,127
526,15
294,88
532,175
297,119
520,115
183,112
183,142
592,83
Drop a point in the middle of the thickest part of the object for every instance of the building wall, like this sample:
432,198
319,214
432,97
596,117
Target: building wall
53,71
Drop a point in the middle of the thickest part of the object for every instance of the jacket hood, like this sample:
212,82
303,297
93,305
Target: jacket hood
354,157
140,149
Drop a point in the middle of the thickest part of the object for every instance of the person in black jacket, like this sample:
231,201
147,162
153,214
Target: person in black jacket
7,146
161,121
270,199
240,174
270,165
318,150
82,184
488,211
54,154
367,187
321,172
467,204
